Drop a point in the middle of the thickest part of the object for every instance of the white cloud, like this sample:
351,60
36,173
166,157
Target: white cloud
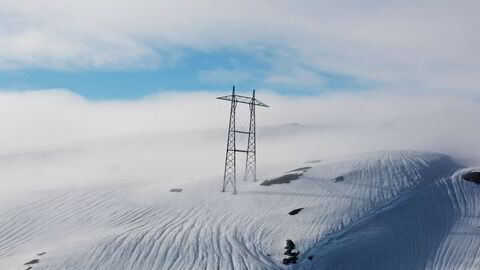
223,75
295,76
429,44
55,117
56,138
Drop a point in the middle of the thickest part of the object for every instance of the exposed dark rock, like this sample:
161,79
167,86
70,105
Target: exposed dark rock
34,261
314,161
295,211
310,258
284,179
29,268
291,253
300,169
472,177
290,260
338,179
290,245
41,254
176,190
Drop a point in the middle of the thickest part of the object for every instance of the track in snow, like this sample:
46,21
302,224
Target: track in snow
392,210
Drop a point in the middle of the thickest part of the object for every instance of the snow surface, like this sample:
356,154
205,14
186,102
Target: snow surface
392,210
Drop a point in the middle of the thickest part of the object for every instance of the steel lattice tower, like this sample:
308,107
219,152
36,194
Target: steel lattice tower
230,173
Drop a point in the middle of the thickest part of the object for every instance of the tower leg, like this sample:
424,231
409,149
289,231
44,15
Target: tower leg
229,176
251,161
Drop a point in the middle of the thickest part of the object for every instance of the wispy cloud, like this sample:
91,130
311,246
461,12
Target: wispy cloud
434,49
224,75
296,76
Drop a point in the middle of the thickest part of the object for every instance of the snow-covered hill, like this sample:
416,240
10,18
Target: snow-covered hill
383,210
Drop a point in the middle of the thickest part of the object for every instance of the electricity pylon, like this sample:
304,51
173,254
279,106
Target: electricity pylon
230,172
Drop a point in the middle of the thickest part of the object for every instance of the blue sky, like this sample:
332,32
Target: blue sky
195,71
131,49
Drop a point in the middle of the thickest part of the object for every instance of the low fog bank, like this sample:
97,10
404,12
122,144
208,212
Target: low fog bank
56,139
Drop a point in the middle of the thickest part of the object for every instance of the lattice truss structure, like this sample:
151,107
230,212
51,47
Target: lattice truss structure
230,173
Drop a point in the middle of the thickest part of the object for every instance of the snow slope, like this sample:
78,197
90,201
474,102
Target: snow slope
385,210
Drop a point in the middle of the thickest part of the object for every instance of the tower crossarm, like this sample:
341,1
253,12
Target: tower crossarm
243,99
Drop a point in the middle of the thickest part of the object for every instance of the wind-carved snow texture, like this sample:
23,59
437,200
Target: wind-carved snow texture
392,210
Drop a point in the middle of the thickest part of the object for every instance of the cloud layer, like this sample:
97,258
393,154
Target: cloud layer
55,138
427,45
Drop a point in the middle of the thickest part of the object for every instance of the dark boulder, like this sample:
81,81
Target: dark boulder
338,179
290,245
472,177
284,179
290,260
295,211
32,262
292,255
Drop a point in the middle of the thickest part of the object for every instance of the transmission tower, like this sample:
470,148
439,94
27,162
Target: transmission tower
230,173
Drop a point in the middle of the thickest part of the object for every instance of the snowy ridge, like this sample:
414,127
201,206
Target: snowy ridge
390,210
